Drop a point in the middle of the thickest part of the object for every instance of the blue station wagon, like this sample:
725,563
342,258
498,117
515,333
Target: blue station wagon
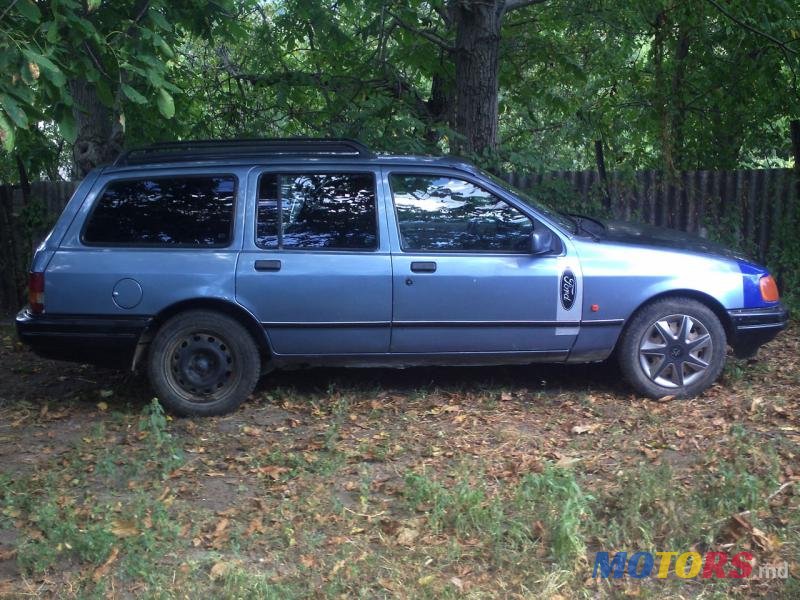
214,262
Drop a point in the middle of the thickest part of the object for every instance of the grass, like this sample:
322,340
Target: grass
457,489
97,507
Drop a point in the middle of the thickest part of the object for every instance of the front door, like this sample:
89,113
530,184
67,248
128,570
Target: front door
465,279
316,271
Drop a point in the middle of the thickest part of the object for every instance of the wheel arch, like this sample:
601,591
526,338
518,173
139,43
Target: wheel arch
706,299
226,307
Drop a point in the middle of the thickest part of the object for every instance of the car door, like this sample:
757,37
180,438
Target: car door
465,278
316,267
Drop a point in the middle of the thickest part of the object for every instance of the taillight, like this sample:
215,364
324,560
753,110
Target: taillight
36,293
769,289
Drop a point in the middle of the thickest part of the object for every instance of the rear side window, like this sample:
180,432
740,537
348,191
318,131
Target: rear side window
174,211
317,211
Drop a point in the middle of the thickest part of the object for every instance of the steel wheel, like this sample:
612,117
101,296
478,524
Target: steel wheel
201,365
676,351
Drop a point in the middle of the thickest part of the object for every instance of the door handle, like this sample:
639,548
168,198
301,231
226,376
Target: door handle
268,265
423,267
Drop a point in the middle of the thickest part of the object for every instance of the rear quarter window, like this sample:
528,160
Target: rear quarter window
182,211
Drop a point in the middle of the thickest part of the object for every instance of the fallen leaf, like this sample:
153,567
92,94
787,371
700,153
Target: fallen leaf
222,525
103,569
426,580
767,543
308,561
652,453
220,570
457,583
578,429
255,526
406,536
8,554
273,471
123,528
565,462
337,567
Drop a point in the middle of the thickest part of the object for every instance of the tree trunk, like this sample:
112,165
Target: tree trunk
100,135
439,106
661,92
477,52
12,287
679,108
24,182
600,158
795,129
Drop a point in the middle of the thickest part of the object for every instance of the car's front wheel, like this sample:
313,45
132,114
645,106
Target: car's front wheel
203,363
673,347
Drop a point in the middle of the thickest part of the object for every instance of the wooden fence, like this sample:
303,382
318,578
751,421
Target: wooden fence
744,207
747,208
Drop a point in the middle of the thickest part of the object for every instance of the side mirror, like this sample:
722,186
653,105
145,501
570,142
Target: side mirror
541,241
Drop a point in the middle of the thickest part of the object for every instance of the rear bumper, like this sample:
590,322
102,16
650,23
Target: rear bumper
102,340
754,327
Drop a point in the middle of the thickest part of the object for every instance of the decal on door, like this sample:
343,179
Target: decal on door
569,305
567,288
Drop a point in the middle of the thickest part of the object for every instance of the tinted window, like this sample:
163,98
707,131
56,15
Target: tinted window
447,214
317,211
175,211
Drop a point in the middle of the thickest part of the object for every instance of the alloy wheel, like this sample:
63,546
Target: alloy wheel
675,351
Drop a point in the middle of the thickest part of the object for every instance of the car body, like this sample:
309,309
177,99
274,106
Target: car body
326,254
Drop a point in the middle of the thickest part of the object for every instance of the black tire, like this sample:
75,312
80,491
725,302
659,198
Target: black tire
661,361
203,363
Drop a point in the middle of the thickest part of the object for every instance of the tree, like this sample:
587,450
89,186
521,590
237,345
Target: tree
476,29
82,64
668,84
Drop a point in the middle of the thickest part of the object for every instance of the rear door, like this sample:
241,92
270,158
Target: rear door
316,267
465,279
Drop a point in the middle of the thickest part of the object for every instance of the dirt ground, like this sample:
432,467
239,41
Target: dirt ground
447,482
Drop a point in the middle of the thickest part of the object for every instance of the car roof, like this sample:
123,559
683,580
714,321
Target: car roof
271,161
271,152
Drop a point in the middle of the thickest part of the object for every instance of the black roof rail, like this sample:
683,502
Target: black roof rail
241,148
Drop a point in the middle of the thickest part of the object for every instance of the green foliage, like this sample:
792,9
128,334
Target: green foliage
649,508
784,260
154,423
659,82
100,505
553,499
123,49
783,251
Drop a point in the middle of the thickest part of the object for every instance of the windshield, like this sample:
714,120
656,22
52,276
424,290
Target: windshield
560,219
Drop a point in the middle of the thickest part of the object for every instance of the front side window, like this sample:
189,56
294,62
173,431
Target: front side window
442,213
169,211
317,211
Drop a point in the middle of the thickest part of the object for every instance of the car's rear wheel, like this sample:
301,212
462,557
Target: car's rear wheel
673,347
203,363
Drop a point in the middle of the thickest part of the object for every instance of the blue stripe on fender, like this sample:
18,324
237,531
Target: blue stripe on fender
751,274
